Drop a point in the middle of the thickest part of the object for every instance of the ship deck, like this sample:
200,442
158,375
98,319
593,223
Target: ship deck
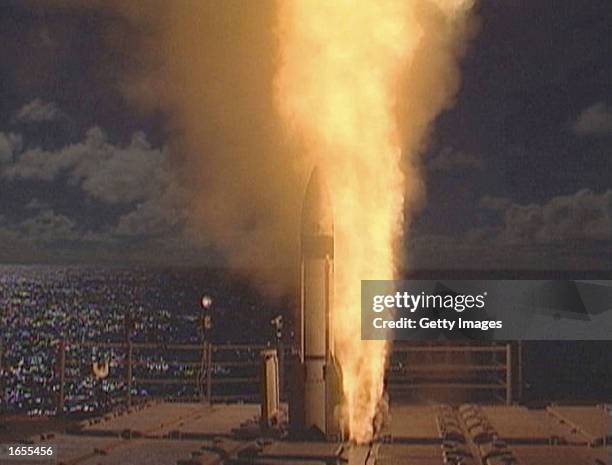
165,433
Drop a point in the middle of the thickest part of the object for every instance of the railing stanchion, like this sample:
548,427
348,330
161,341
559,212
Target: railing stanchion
61,367
280,350
1,373
508,374
209,372
519,356
128,375
209,368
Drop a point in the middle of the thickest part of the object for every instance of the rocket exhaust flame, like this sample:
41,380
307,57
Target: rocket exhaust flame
340,88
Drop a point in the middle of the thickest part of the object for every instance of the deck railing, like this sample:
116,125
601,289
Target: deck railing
465,369
206,372
212,372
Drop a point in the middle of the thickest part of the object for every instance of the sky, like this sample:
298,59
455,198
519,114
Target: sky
517,171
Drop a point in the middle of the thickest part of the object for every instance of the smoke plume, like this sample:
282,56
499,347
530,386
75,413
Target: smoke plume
209,67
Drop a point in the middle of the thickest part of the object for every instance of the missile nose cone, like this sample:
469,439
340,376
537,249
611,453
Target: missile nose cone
317,215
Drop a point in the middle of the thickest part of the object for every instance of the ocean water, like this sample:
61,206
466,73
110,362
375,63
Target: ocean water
40,305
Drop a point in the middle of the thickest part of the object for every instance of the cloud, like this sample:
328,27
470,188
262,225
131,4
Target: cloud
448,159
9,145
110,173
38,163
566,232
47,226
157,216
36,204
38,111
48,236
124,174
51,237
585,215
149,218
594,120
128,174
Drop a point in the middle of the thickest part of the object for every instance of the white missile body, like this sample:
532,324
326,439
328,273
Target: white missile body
321,395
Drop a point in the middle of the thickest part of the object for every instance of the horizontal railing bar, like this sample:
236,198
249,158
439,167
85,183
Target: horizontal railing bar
448,349
73,363
249,363
230,397
417,368
171,346
135,345
226,397
167,398
445,385
165,381
102,345
221,347
150,345
229,380
235,380
165,362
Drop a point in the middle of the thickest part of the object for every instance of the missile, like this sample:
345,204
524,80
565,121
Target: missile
321,374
